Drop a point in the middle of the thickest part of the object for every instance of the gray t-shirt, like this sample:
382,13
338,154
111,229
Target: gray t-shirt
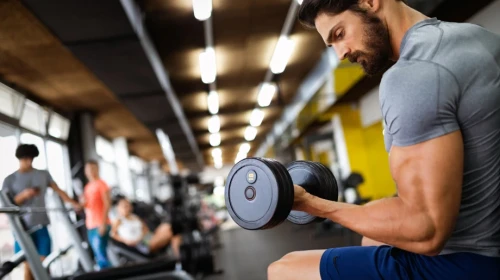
448,79
17,182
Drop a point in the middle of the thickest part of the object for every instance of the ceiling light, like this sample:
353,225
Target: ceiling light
218,164
282,53
300,2
217,153
207,66
202,9
240,156
214,124
213,102
245,148
257,117
266,94
250,133
215,139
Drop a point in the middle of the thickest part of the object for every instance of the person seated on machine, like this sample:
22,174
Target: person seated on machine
131,230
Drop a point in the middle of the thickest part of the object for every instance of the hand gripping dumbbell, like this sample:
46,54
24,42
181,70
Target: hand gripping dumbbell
260,192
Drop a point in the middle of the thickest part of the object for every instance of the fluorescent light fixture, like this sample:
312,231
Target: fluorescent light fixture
217,153
266,94
245,148
218,164
300,2
207,66
240,156
214,124
215,139
257,117
250,133
282,53
202,9
213,102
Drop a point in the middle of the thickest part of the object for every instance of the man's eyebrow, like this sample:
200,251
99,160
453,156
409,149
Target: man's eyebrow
330,34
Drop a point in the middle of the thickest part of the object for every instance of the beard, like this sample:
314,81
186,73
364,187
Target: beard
377,44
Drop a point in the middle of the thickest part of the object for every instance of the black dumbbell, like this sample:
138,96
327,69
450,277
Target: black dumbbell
259,192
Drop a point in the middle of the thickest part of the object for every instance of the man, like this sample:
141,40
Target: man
27,187
97,201
440,105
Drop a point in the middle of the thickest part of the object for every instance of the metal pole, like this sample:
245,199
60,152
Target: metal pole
26,243
76,240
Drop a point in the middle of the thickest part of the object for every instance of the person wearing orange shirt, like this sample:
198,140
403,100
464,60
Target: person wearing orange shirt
96,200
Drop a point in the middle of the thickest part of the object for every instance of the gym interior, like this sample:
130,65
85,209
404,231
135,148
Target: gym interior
166,98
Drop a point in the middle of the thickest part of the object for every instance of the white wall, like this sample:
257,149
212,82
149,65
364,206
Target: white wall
489,17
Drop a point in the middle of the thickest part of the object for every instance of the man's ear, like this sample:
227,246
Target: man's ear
370,5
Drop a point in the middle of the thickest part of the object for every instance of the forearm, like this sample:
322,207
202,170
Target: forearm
65,197
389,221
105,214
19,199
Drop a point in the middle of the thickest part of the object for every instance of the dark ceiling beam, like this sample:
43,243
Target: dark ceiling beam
229,111
231,142
238,126
139,95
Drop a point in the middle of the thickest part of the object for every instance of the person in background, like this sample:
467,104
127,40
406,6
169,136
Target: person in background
27,187
132,231
96,201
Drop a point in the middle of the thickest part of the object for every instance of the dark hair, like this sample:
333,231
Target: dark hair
27,151
310,9
93,162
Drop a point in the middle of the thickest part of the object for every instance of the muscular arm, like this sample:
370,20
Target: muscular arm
429,179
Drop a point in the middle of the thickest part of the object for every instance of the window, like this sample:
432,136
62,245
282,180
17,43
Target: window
58,166
108,173
34,117
105,149
58,126
8,145
39,162
12,102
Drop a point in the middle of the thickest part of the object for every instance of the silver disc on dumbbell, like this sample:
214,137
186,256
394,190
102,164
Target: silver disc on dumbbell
256,194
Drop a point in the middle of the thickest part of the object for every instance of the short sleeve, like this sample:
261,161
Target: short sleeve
419,102
49,177
103,186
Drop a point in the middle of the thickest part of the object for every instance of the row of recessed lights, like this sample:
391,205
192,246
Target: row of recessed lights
284,48
203,11
279,61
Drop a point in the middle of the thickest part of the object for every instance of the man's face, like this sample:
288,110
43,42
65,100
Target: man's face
360,37
91,170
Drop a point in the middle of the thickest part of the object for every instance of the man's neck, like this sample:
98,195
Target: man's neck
25,170
93,179
399,19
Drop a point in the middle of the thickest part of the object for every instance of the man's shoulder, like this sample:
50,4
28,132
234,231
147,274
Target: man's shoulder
409,75
11,177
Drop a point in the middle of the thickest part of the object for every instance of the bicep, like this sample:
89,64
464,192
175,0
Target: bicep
429,179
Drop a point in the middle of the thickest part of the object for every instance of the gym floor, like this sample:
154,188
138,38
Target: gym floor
245,255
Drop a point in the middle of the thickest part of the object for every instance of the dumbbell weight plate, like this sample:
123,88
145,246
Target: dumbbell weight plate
307,175
331,190
252,194
288,195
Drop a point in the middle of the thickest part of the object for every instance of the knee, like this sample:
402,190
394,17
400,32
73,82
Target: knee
278,269
275,270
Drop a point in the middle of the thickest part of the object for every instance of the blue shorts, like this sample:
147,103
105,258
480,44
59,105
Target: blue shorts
387,262
42,241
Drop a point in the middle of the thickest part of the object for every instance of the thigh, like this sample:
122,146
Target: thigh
42,241
361,263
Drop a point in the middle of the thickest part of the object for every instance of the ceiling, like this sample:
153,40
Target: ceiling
245,35
86,56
